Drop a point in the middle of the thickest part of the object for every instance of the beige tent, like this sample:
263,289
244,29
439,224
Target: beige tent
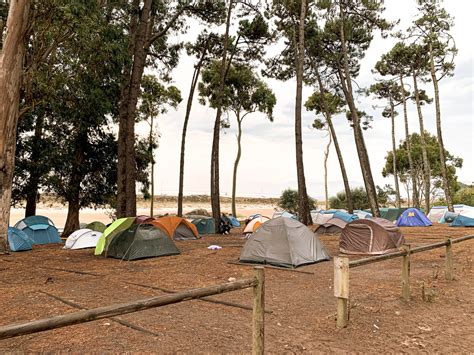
370,236
255,223
284,242
333,226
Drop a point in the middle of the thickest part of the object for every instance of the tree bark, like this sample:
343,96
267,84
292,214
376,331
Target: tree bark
426,162
194,82
326,156
439,131
11,62
215,193
152,160
74,202
303,202
236,163
415,194
394,154
346,82
347,188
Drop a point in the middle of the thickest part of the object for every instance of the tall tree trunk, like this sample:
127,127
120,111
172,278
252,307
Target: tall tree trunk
123,118
347,188
236,163
346,82
415,194
152,160
194,81
215,193
426,162
326,156
442,155
303,202
11,61
35,175
72,219
394,154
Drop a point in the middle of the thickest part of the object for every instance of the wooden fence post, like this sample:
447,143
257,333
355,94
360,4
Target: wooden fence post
341,289
449,274
258,320
406,273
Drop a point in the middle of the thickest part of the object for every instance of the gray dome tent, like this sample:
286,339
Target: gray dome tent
283,242
141,241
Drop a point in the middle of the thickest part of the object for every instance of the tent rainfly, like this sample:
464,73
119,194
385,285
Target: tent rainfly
462,221
18,240
40,229
283,242
177,228
413,217
370,236
333,226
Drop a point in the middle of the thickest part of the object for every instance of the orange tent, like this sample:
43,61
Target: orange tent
176,227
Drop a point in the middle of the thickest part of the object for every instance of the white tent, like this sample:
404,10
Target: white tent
437,213
82,238
253,225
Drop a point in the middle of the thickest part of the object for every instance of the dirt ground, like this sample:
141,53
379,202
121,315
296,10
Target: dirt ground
302,304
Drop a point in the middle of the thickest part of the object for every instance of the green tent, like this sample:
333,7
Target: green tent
141,241
111,231
205,225
96,226
392,214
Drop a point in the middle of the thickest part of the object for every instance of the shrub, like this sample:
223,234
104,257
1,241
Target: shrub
289,200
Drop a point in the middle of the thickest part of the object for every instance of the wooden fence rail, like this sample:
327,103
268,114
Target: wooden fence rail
257,283
342,266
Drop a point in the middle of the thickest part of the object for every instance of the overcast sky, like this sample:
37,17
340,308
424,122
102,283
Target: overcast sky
268,163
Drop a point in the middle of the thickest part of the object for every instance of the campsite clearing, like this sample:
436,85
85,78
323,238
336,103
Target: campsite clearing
49,281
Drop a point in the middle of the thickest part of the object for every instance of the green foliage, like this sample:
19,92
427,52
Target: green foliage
244,91
403,166
289,200
360,199
464,196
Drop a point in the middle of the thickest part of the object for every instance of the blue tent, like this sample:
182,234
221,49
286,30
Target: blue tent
413,217
40,229
233,221
345,216
18,240
462,221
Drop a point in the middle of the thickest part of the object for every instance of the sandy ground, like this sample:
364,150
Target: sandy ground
302,304
87,215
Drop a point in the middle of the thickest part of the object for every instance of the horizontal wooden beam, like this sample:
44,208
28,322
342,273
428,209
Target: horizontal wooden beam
90,315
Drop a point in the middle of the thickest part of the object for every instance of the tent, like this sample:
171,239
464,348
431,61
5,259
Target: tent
462,221
96,226
82,238
370,236
205,225
112,230
144,219
441,214
333,226
177,228
40,229
346,217
233,221
391,214
284,214
413,217
362,214
283,242
255,223
141,241
323,216
18,240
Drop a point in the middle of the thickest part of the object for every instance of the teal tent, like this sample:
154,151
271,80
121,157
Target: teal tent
40,229
462,221
18,240
205,225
